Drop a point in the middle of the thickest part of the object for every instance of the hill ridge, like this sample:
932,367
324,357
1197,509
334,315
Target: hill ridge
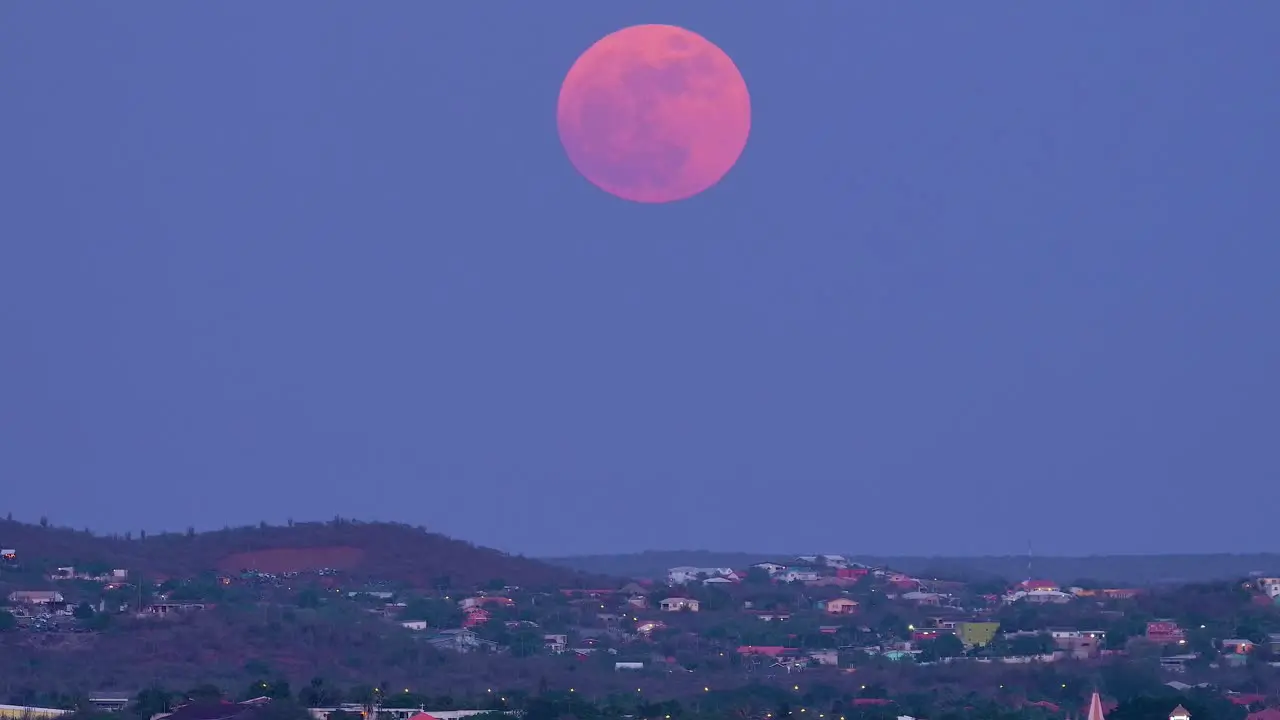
377,549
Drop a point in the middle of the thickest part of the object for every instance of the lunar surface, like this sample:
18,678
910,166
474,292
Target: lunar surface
654,113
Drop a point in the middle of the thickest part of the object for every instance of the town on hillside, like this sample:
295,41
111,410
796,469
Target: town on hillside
810,634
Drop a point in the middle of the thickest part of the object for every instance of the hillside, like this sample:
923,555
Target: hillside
1110,569
384,551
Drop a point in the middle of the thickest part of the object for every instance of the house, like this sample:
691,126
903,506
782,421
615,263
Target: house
1178,663
1041,585
686,574
648,627
825,657
832,581
164,609
628,666
458,640
376,594
800,575
770,616
1179,713
1269,585
679,604
23,712
36,597
923,598
476,616
841,606
219,710
632,588
415,625
555,643
1038,596
770,567
831,561
638,601
1164,632
772,651
110,701
1081,644
1237,645
8,555
851,573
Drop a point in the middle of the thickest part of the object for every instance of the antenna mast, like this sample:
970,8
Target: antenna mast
1028,561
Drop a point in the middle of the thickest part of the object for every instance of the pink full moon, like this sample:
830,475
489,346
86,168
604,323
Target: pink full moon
654,114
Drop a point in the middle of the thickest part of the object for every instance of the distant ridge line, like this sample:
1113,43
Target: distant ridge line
1110,569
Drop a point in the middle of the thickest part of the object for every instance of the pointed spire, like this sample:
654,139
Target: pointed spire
1180,713
1095,708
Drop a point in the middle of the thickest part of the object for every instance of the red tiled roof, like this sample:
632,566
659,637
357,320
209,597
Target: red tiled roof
767,650
1268,714
422,716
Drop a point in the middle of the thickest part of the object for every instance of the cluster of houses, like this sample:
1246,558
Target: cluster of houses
53,604
839,571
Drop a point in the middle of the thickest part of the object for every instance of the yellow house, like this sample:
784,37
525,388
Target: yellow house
976,633
22,712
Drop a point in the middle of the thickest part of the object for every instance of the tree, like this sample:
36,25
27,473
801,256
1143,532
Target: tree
526,643
318,693
205,693
7,621
943,646
83,611
152,701
1039,644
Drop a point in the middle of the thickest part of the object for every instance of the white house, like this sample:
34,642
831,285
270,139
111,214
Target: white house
770,567
555,643
36,597
687,574
1270,586
800,575
679,604
1038,596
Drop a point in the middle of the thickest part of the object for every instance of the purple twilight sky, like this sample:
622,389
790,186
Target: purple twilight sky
985,273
